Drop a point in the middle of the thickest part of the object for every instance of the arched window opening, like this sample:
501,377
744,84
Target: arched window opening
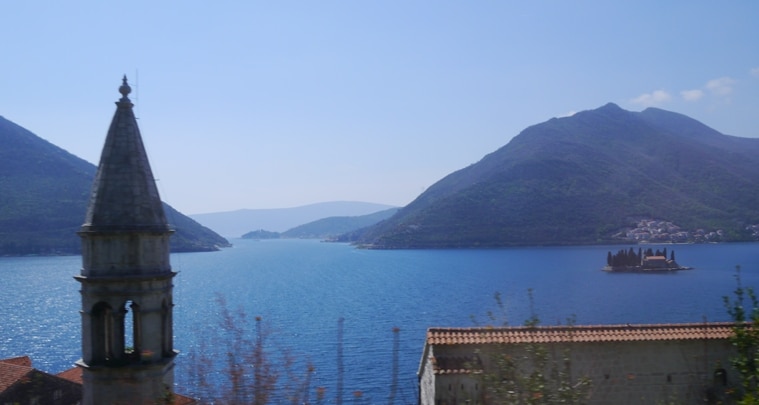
102,331
720,377
132,330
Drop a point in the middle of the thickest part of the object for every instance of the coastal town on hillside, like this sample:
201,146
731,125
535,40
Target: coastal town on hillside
657,231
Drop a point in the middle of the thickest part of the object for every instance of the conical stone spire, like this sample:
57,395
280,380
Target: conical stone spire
124,196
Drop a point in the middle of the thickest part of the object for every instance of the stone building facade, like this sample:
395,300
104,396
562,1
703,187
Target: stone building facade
624,364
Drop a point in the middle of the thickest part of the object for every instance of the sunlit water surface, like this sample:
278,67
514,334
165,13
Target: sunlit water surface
301,288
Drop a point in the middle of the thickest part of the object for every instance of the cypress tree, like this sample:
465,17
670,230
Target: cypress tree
630,258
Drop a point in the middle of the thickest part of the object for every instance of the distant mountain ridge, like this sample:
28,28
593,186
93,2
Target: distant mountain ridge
236,223
581,180
332,227
44,193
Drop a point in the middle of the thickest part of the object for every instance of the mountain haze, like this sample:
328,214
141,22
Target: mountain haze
332,227
44,193
581,179
239,222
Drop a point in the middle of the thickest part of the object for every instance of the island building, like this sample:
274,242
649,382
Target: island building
624,364
658,262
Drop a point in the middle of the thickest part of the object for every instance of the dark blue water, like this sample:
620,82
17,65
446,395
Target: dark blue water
301,289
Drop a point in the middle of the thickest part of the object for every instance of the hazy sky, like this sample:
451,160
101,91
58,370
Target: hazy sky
271,104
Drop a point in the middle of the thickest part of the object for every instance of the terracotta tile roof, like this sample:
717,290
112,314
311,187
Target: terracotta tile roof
19,361
72,374
11,373
15,387
589,333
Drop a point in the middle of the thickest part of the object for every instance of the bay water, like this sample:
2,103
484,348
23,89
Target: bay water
386,300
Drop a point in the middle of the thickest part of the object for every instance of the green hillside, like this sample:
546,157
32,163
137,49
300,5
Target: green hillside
44,193
333,227
582,180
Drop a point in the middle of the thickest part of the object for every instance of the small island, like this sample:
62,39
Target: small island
261,234
628,261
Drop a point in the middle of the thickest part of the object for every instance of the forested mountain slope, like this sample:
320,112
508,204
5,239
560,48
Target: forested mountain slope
581,180
44,192
332,227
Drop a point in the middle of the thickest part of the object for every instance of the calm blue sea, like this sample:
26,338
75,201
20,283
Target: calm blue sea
301,288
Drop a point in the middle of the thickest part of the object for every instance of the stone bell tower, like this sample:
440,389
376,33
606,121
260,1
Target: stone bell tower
126,277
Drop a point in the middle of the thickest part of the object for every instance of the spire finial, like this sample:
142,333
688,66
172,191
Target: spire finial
125,89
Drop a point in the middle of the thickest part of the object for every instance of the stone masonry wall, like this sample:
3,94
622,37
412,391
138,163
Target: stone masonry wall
650,372
641,372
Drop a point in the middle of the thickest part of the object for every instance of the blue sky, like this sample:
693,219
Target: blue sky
263,104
